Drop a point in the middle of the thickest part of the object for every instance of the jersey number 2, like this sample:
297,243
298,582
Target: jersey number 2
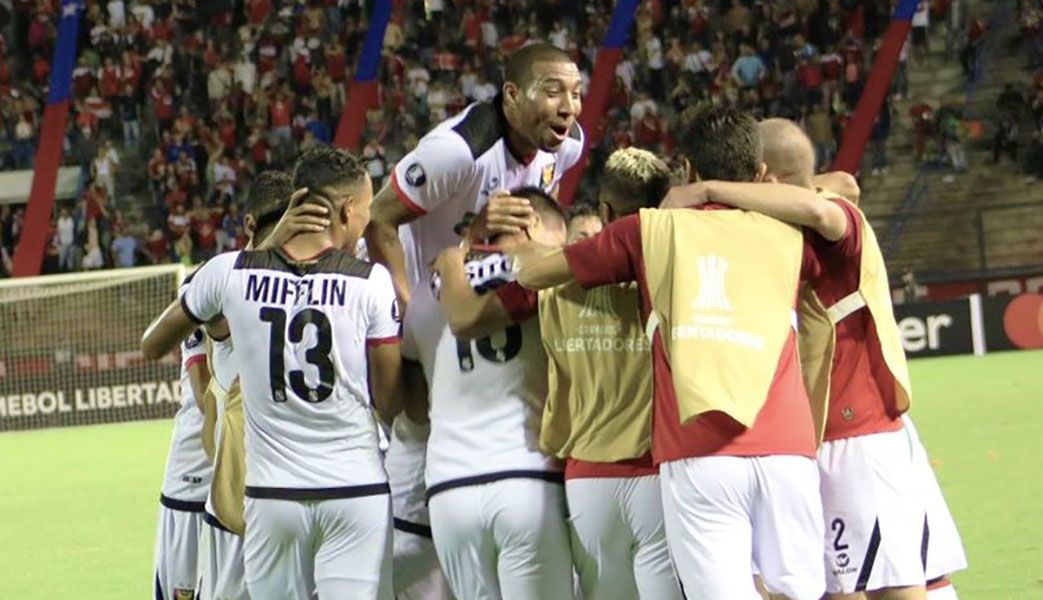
318,355
511,347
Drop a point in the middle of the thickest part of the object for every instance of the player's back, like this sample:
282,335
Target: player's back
301,331
487,396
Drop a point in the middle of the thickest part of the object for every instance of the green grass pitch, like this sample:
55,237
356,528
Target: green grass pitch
78,506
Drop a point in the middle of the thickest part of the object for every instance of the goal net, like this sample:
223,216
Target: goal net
69,348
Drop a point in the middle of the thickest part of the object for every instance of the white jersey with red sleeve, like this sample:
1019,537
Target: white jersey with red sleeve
188,471
457,166
301,331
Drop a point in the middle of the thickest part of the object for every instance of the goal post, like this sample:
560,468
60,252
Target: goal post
69,348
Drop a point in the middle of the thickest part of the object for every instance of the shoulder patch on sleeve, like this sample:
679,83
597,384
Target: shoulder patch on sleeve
481,128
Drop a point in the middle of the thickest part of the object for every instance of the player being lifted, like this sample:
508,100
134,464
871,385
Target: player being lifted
307,319
526,136
882,510
497,502
732,427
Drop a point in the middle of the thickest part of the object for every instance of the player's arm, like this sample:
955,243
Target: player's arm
383,345
785,202
200,302
469,314
382,237
841,183
166,331
540,267
300,217
426,178
385,379
415,401
193,352
611,256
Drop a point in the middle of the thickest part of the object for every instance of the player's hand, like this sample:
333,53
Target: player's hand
503,214
452,256
300,217
683,196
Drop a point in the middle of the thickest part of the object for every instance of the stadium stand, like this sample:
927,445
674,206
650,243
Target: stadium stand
177,104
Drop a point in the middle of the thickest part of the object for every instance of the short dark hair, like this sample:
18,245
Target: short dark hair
722,143
581,210
323,166
635,179
519,67
542,203
268,198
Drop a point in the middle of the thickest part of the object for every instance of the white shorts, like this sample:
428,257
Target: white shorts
726,514
618,538
340,547
177,549
221,575
416,574
874,513
945,553
505,539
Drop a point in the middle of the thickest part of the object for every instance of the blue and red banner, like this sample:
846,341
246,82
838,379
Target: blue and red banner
856,136
593,115
28,257
362,92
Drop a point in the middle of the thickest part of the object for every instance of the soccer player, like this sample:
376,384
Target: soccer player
598,415
222,571
584,222
185,482
872,482
732,428
308,318
220,544
526,136
497,502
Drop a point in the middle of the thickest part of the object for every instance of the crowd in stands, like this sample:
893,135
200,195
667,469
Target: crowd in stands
203,94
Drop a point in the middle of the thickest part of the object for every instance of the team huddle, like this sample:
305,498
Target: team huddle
453,388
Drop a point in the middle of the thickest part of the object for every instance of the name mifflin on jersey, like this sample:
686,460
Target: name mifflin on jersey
273,289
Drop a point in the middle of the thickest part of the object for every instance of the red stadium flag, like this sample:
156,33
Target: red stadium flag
593,115
362,93
28,257
856,136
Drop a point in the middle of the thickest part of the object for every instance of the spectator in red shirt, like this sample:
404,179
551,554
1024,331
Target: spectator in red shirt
178,222
162,106
157,247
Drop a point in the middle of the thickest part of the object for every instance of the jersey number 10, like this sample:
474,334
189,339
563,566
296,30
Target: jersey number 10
318,355
511,347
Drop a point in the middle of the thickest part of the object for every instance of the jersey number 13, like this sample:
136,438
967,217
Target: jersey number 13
318,355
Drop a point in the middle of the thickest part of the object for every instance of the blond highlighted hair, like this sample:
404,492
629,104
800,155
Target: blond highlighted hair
635,179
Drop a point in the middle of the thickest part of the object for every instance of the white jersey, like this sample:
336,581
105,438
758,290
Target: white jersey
188,471
457,166
487,397
301,331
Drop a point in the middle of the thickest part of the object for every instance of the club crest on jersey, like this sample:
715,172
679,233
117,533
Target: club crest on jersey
712,294
598,303
548,174
183,594
194,340
415,175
